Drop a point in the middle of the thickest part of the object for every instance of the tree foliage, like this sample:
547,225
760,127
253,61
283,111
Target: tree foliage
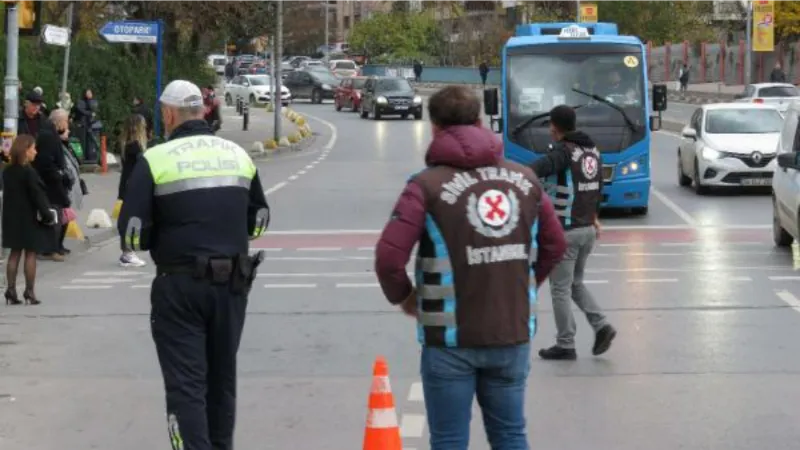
659,21
397,36
787,20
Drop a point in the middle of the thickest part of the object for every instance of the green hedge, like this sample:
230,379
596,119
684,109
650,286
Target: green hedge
113,72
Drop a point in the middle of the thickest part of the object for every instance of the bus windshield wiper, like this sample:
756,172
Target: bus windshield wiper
533,119
625,116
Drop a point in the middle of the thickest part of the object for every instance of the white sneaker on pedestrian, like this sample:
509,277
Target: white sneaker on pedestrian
131,260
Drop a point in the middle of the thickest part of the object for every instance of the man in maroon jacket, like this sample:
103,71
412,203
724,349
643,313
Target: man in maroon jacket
488,237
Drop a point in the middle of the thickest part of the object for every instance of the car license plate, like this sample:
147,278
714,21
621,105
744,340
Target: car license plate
401,108
757,182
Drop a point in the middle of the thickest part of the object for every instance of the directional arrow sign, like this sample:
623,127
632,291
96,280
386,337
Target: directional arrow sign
130,32
54,35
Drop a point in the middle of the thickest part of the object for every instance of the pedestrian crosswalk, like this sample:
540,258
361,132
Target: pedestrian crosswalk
362,280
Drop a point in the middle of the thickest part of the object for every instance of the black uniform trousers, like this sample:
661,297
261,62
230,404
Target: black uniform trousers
197,327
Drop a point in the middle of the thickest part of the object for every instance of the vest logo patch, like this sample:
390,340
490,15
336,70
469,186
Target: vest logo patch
494,213
589,166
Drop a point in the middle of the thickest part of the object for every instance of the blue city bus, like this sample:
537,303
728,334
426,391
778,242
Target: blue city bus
604,76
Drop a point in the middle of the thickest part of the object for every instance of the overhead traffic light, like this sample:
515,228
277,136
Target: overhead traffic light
29,17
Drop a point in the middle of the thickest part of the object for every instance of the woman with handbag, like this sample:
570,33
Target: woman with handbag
133,143
27,218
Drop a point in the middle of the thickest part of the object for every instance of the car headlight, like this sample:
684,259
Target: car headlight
327,87
381,100
710,154
631,167
417,100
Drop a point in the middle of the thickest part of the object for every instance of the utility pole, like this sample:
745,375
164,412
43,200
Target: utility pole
276,57
748,55
66,51
11,82
327,45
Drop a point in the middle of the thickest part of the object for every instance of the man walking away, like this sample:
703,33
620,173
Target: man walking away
196,224
572,173
777,75
476,278
483,69
417,71
684,78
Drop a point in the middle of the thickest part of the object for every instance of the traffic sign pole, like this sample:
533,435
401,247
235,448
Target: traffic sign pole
66,51
159,62
11,114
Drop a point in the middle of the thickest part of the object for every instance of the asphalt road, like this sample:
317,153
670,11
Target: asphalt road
706,308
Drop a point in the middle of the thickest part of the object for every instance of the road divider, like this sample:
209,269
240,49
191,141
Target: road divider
290,141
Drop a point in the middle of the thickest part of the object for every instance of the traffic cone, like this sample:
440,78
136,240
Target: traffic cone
382,431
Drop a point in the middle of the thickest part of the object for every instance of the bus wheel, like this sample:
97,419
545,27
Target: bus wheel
640,211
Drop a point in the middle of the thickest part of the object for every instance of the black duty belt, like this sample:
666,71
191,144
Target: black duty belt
238,272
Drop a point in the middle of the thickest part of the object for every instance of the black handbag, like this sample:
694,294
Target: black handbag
84,189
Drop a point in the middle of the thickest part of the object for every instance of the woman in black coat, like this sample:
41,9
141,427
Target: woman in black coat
27,218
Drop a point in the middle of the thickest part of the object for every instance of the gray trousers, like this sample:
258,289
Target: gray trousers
566,286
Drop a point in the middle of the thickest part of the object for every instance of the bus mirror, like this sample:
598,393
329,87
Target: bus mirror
491,102
659,97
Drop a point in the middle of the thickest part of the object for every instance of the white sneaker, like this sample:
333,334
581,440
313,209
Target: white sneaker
131,260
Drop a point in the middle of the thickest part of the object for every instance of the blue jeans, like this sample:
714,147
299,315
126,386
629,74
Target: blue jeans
452,377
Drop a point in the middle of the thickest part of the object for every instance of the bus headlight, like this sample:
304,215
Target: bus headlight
631,167
711,154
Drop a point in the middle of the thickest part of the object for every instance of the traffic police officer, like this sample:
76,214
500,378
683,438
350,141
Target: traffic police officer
572,175
193,202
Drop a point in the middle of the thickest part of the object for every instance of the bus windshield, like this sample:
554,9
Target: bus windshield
537,81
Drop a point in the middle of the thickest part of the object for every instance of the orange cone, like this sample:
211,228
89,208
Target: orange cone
382,431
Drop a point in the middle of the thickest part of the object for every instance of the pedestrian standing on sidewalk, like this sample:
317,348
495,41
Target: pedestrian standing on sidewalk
483,70
572,173
51,166
27,218
132,143
477,276
76,187
196,223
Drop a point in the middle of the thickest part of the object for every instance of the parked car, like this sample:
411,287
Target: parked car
218,62
729,144
786,181
313,85
779,95
292,62
308,63
344,68
383,96
254,89
348,93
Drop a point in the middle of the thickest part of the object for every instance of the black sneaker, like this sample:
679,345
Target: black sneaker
602,339
558,353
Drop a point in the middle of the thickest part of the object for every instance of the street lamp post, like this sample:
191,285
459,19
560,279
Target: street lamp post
748,55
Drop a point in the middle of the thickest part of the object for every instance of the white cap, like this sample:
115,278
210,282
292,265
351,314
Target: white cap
182,94
38,90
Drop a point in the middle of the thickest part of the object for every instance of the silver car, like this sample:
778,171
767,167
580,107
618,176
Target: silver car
779,95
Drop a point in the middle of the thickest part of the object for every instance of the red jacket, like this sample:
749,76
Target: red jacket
465,147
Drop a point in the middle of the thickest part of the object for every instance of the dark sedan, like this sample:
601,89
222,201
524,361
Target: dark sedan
390,97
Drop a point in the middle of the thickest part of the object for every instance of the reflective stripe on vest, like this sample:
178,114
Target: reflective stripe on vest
199,162
445,291
440,265
563,196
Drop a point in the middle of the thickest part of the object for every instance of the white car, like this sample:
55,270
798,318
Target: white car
729,144
779,95
344,68
786,182
254,89
218,62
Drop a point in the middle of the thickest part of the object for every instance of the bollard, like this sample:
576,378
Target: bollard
103,154
239,106
245,116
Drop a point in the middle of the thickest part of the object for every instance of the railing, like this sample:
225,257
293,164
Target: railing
708,62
